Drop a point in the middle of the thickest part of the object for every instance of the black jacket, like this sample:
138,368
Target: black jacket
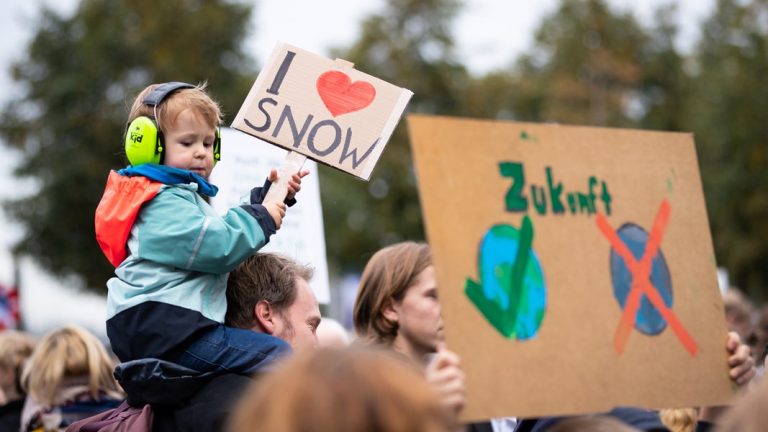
182,399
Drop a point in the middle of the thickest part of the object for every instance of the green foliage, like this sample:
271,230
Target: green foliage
583,67
588,65
728,111
409,45
664,90
79,77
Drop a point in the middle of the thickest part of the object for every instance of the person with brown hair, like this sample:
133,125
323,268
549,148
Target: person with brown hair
15,349
748,414
397,303
397,307
268,294
68,377
349,390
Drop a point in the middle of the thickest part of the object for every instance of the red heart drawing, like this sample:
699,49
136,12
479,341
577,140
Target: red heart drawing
340,95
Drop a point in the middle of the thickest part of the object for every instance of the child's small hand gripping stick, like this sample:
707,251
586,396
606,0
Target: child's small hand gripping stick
291,165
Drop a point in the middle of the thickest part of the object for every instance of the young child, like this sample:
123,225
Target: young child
171,251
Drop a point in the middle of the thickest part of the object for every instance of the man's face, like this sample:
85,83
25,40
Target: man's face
297,324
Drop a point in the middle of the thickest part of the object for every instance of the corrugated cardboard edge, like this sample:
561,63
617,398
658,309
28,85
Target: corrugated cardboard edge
389,127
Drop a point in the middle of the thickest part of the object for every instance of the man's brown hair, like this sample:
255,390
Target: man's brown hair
263,276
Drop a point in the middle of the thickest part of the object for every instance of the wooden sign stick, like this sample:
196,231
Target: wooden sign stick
291,165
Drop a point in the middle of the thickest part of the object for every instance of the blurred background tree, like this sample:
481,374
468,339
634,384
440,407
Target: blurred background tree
583,68
78,77
409,43
728,112
589,64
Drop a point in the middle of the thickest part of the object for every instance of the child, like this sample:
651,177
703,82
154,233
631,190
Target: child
171,251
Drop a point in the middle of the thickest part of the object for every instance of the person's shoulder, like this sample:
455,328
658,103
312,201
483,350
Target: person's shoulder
223,387
208,409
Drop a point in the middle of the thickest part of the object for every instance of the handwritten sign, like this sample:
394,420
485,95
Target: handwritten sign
244,165
575,266
323,109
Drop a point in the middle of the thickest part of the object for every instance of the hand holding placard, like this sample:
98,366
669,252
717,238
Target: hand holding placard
292,164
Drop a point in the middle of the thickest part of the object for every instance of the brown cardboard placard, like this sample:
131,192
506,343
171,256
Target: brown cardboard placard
323,109
539,327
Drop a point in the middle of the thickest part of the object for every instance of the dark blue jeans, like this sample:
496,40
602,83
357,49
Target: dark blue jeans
227,349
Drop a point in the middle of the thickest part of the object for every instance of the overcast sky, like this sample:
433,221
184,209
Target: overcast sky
489,35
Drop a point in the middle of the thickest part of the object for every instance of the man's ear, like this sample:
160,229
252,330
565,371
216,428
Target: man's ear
265,316
390,311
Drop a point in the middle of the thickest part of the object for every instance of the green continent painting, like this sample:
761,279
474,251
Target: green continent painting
511,292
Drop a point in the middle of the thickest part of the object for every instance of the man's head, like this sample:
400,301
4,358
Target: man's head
270,293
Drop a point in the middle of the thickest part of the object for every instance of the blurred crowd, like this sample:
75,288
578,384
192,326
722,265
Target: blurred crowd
393,373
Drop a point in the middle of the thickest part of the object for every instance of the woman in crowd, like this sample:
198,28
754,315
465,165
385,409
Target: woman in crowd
15,348
397,307
67,378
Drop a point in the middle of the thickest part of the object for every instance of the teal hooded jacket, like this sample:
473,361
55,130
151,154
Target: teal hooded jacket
173,254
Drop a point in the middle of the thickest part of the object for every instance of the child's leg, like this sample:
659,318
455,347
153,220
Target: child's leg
228,349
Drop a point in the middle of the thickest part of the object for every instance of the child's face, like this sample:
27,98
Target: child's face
189,144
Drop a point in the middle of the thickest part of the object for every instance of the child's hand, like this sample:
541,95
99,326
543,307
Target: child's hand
294,185
277,211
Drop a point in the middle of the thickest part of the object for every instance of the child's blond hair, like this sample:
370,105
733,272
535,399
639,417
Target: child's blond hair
67,353
166,112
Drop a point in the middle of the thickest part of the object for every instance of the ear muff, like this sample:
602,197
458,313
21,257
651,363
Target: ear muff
217,147
143,142
143,138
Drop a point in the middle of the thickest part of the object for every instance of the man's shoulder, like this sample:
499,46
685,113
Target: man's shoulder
208,409
222,387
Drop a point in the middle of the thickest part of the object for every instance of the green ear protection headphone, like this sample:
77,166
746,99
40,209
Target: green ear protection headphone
144,140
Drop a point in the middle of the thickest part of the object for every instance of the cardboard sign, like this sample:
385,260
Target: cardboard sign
323,109
575,266
245,164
